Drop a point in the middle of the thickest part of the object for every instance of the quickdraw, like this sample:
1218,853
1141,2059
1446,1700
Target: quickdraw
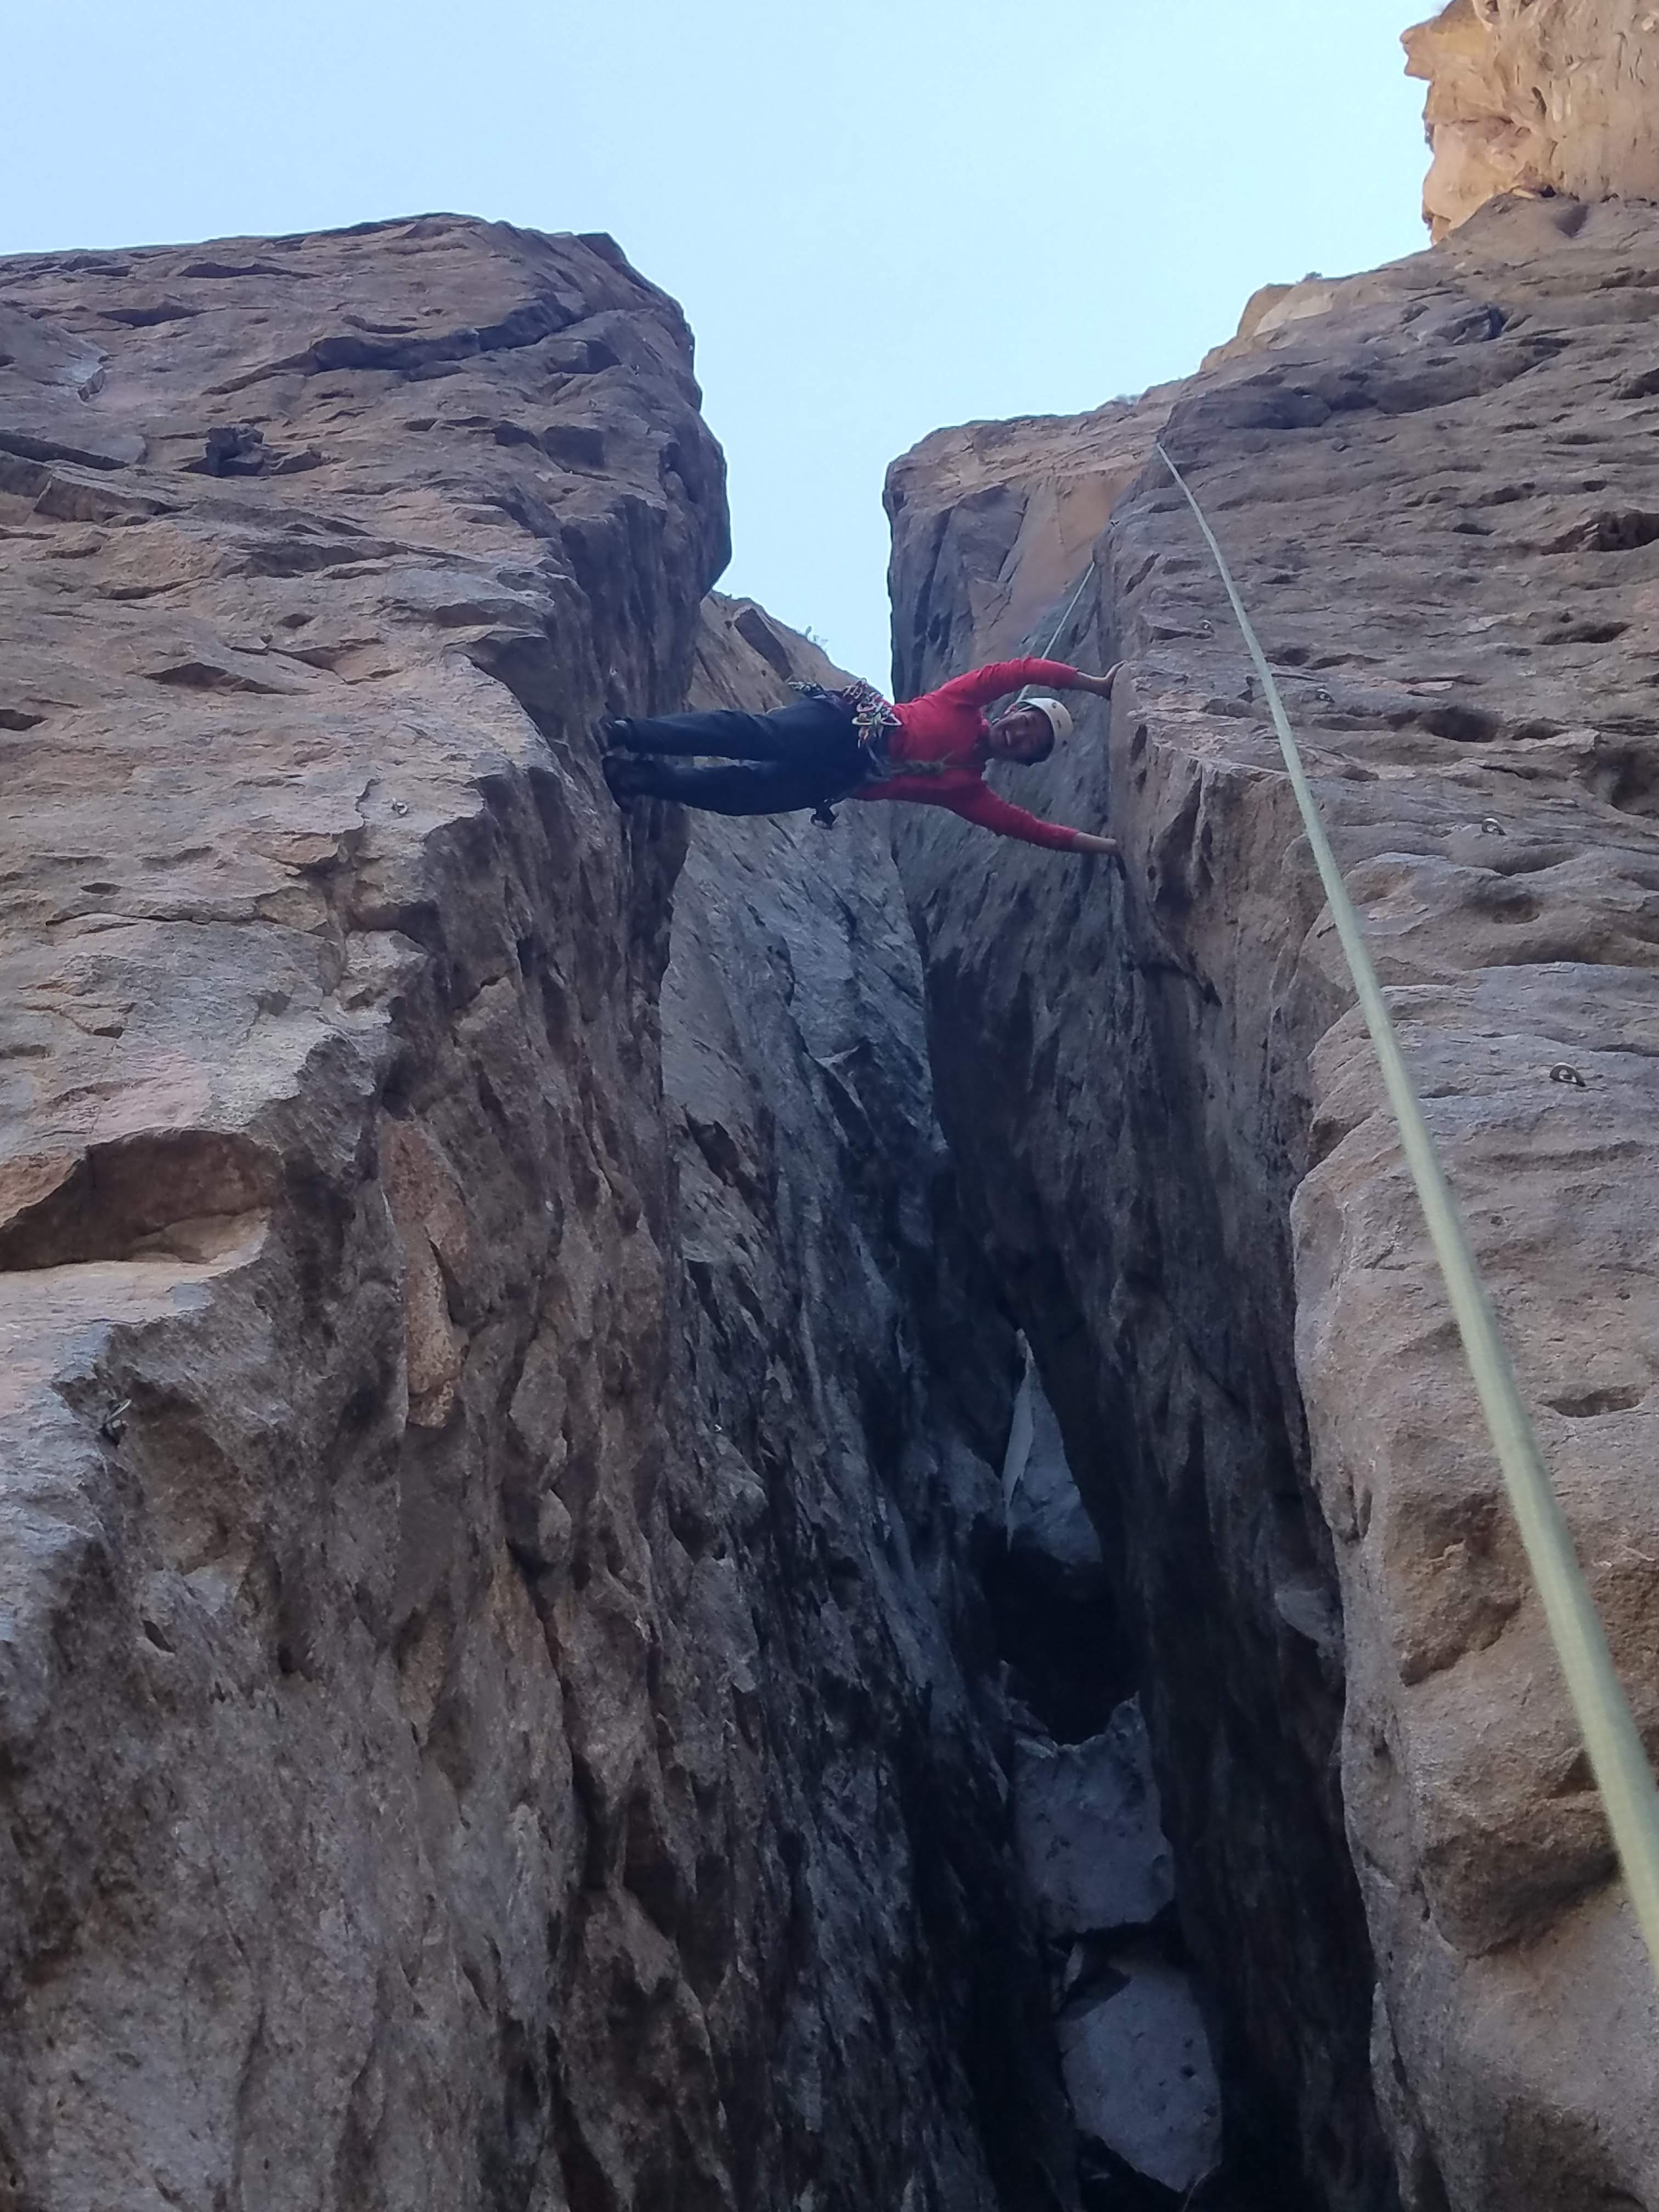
873,717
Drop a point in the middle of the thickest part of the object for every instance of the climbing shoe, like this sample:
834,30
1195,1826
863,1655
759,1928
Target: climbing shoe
622,774
614,732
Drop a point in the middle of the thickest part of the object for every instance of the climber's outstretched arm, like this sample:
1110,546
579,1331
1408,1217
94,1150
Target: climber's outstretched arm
991,811
1100,685
980,685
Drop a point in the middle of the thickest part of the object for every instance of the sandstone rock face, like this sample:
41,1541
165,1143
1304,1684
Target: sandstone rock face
481,1717
1438,490
1537,96
331,1620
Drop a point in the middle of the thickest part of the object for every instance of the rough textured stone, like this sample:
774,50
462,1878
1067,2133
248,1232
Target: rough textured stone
480,1717
1538,96
330,1142
1439,490
1141,2083
1057,1627
1138,2074
842,1335
1047,1523
1089,1831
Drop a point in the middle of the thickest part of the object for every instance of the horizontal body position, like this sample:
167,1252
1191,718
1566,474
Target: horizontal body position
831,746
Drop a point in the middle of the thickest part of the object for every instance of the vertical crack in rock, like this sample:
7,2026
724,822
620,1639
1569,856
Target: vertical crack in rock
841,1333
1390,1867
1135,2051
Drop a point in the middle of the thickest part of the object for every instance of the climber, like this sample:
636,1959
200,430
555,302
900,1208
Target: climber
851,744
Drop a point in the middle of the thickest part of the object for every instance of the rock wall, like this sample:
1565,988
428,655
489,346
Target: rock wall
331,1613
481,1717
1537,96
845,1339
1438,489
1138,2067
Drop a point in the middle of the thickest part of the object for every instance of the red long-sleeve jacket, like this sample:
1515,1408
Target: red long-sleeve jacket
948,726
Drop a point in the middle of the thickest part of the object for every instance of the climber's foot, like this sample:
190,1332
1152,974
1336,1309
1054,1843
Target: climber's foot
623,776
614,732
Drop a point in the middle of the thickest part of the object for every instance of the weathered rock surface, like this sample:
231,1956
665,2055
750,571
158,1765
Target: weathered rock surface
1138,2070
1438,487
481,1717
1057,1624
332,1621
1538,96
1090,1832
842,1334
1047,1526
1134,2047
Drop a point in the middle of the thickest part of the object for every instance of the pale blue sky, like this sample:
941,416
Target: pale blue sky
880,216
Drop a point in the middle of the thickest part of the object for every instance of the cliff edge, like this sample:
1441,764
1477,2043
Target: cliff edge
1538,97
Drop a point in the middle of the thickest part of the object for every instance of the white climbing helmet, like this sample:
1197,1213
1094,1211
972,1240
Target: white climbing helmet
1058,719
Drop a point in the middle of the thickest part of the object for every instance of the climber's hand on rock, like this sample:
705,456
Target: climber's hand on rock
1100,685
1087,842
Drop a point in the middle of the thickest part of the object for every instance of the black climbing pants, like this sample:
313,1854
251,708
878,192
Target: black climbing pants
803,755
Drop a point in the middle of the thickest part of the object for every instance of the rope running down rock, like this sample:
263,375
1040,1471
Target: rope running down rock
1048,651
1617,1757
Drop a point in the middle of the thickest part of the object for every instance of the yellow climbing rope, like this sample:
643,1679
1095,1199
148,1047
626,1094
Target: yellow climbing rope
1047,653
1616,1755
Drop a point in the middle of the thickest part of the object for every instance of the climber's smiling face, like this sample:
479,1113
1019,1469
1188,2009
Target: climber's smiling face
1021,734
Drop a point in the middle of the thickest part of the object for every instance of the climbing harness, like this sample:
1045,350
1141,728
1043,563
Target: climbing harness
1616,1756
872,716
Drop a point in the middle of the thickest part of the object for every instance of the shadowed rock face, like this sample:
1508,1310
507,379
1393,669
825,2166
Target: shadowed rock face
1537,96
1438,487
842,1334
484,1675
